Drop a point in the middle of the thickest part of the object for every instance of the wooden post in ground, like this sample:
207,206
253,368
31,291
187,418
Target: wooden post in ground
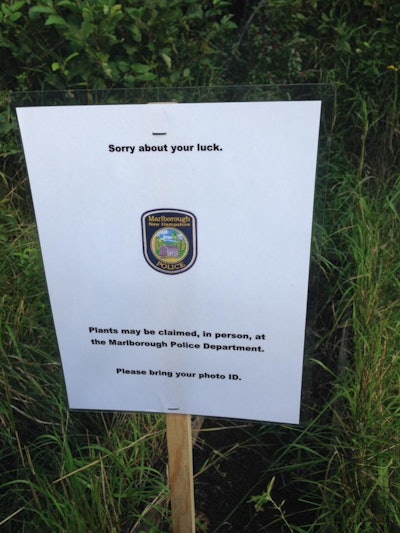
180,472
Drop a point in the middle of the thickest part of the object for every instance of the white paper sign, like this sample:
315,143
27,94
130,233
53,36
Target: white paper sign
176,242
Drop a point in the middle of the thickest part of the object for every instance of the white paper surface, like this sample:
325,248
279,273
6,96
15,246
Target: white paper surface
240,308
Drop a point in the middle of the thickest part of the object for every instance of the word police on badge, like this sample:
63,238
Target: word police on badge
169,240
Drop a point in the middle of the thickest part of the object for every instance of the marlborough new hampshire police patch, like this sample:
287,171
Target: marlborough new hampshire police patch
169,240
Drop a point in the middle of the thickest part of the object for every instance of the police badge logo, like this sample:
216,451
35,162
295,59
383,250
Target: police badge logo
169,240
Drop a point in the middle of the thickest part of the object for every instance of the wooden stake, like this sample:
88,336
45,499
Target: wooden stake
180,472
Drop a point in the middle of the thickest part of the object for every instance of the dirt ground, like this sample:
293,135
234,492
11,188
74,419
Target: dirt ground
231,470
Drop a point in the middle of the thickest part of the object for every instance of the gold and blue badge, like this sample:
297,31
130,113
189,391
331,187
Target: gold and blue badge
169,240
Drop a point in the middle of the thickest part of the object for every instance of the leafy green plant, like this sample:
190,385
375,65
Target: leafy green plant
103,44
351,44
266,498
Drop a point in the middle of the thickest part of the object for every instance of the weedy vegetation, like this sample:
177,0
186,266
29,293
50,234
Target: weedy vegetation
339,470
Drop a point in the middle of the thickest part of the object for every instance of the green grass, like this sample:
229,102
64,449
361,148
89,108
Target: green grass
64,472
367,403
342,465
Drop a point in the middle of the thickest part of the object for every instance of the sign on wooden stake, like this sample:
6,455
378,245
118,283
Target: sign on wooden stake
176,244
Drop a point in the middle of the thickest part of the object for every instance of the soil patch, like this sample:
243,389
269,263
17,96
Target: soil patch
231,465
